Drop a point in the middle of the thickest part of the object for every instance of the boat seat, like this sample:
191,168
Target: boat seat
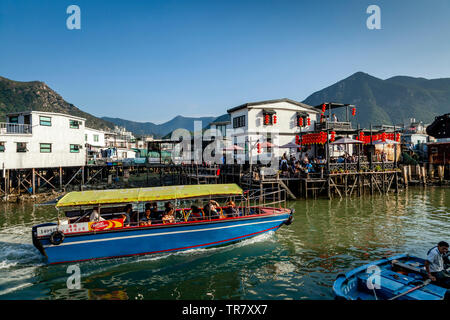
396,265
392,283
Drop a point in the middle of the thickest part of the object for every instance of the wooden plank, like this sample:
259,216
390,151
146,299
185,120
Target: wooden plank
46,180
287,190
336,187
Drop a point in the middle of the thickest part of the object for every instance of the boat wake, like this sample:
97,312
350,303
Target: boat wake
268,236
18,261
14,254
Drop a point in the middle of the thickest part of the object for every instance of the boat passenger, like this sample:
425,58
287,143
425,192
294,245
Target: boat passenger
169,212
231,210
196,214
434,265
95,215
210,209
154,214
126,214
146,220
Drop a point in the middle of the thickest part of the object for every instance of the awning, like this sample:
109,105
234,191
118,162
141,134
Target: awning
95,197
388,141
347,141
290,145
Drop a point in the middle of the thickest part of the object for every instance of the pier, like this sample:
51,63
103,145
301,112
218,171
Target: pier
377,178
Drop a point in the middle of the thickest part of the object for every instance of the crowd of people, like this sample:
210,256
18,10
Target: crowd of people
344,158
152,215
294,167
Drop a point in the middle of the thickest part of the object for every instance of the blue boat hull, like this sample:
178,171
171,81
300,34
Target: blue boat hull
381,281
157,239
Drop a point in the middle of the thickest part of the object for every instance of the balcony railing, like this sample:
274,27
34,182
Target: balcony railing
333,125
15,128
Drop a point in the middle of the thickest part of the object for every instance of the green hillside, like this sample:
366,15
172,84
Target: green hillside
18,96
160,130
390,101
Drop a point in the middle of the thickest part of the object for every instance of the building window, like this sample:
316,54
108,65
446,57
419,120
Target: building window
269,117
2,146
302,119
74,124
269,141
74,148
223,129
85,137
22,147
45,121
239,122
46,147
14,119
95,137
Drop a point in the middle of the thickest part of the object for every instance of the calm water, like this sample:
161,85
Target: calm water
300,261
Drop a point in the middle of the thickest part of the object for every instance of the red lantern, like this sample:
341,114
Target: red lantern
297,140
397,137
324,107
300,121
383,137
333,135
308,121
266,119
258,147
274,119
353,111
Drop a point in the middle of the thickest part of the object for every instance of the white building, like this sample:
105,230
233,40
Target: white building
275,121
94,142
35,139
120,144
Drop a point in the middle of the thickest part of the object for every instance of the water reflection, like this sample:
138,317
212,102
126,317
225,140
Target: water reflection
297,262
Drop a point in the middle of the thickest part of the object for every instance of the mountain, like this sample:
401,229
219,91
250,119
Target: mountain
159,130
16,96
390,101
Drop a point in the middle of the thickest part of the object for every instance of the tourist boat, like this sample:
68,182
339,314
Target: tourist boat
401,277
75,238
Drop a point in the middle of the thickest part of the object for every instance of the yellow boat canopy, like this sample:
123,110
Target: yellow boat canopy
93,197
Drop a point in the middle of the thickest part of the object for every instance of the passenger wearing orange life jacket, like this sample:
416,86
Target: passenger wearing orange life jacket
169,213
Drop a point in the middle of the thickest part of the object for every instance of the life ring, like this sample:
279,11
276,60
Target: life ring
57,237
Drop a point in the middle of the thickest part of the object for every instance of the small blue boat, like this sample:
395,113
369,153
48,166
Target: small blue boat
77,238
401,277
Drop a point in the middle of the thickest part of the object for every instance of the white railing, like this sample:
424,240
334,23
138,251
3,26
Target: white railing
15,128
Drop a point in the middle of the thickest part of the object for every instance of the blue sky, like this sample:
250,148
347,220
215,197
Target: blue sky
153,60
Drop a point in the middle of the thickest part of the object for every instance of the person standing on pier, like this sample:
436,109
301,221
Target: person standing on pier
434,265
